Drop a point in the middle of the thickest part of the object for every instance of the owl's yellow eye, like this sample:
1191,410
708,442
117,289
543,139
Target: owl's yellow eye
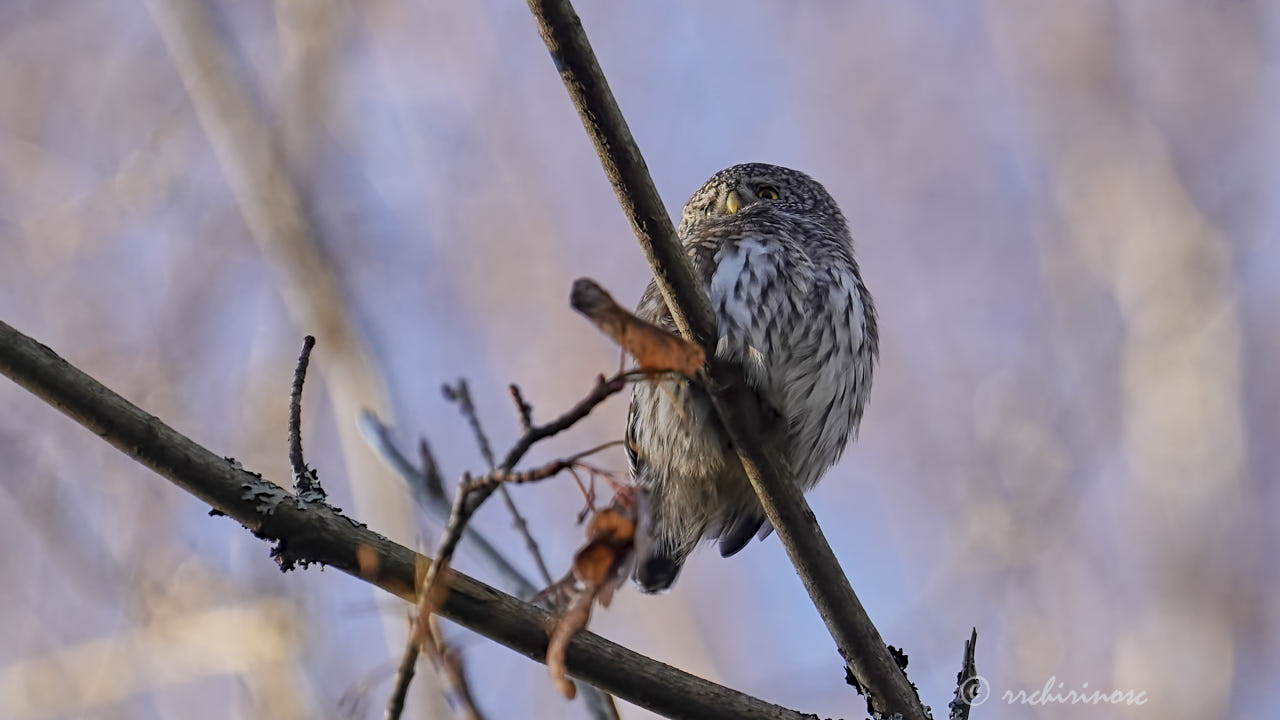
767,192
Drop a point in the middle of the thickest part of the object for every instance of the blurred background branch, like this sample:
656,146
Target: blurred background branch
257,167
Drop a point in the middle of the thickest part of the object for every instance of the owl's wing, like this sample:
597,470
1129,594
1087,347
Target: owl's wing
634,463
653,309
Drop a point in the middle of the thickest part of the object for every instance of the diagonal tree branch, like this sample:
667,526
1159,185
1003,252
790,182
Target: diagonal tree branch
562,31
306,533
865,653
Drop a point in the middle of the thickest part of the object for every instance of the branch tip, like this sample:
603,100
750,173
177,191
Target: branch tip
306,482
969,685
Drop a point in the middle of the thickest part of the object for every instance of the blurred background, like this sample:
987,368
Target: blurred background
1066,211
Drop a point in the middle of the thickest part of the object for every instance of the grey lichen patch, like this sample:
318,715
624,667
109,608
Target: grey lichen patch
312,496
264,494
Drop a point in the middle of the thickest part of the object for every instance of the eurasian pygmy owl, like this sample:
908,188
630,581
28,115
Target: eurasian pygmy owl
776,258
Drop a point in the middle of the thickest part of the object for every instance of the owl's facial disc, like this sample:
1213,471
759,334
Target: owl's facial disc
749,187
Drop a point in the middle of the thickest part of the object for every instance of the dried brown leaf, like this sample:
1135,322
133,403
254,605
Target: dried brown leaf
597,567
574,619
653,348
592,563
612,525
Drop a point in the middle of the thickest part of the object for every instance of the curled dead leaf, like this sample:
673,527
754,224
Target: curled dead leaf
653,348
573,619
598,568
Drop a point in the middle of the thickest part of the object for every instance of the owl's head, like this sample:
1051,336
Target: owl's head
758,187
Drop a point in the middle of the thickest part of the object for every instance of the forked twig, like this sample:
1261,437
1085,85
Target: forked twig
461,395
467,501
543,472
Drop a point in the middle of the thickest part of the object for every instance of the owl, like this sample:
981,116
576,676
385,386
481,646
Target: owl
776,258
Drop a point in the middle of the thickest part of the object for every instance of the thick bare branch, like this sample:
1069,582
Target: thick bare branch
864,651
317,533
562,31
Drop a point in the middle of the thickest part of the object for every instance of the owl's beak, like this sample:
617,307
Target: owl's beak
733,202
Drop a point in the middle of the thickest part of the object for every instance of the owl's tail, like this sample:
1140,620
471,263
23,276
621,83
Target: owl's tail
657,572
657,561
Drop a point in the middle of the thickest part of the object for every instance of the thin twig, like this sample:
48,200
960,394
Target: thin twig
306,482
604,388
969,685
319,534
427,599
542,472
400,685
864,651
522,526
434,481
352,702
523,408
448,666
460,394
